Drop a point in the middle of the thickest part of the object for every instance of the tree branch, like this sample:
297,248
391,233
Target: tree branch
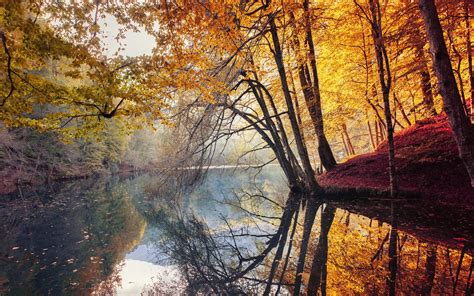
9,68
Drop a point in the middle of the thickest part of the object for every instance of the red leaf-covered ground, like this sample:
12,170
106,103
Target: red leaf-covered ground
427,162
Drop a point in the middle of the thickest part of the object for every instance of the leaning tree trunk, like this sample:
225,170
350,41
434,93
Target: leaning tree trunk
346,150
302,152
324,150
350,147
371,136
469,54
452,105
297,106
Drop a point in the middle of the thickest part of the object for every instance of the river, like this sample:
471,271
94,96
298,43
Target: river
151,235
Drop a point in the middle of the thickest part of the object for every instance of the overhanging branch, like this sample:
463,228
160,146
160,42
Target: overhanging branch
9,68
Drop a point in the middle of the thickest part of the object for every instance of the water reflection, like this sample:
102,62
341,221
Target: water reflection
68,239
238,232
409,256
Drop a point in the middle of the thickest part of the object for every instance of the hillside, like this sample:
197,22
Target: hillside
427,162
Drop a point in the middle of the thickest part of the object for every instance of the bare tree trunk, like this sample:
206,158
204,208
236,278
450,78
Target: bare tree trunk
457,69
377,133
366,93
279,132
460,124
430,270
413,106
402,110
383,130
371,136
393,251
469,285
318,273
376,107
324,150
346,150
469,53
281,248
297,106
303,153
458,270
350,147
425,81
309,218
385,79
274,144
326,159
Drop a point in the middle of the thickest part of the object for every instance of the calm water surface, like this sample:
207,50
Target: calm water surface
141,235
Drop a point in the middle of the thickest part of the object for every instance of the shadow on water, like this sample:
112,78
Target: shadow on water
237,232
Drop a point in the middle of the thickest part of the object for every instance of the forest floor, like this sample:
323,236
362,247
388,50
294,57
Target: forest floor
427,165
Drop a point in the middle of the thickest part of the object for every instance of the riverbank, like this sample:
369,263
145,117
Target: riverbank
427,163
11,179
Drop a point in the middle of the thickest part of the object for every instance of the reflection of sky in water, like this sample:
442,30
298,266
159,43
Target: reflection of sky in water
146,250
79,236
138,274
147,261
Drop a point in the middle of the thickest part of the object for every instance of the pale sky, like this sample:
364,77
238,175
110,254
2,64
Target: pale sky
138,275
135,43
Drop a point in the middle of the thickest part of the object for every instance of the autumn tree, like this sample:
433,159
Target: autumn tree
411,40
58,77
221,68
458,119
310,86
373,16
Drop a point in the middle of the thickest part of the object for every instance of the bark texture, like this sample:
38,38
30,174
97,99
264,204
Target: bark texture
467,8
314,104
385,78
425,82
459,122
310,178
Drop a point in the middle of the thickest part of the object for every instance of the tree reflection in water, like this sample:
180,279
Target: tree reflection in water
70,240
224,240
345,253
